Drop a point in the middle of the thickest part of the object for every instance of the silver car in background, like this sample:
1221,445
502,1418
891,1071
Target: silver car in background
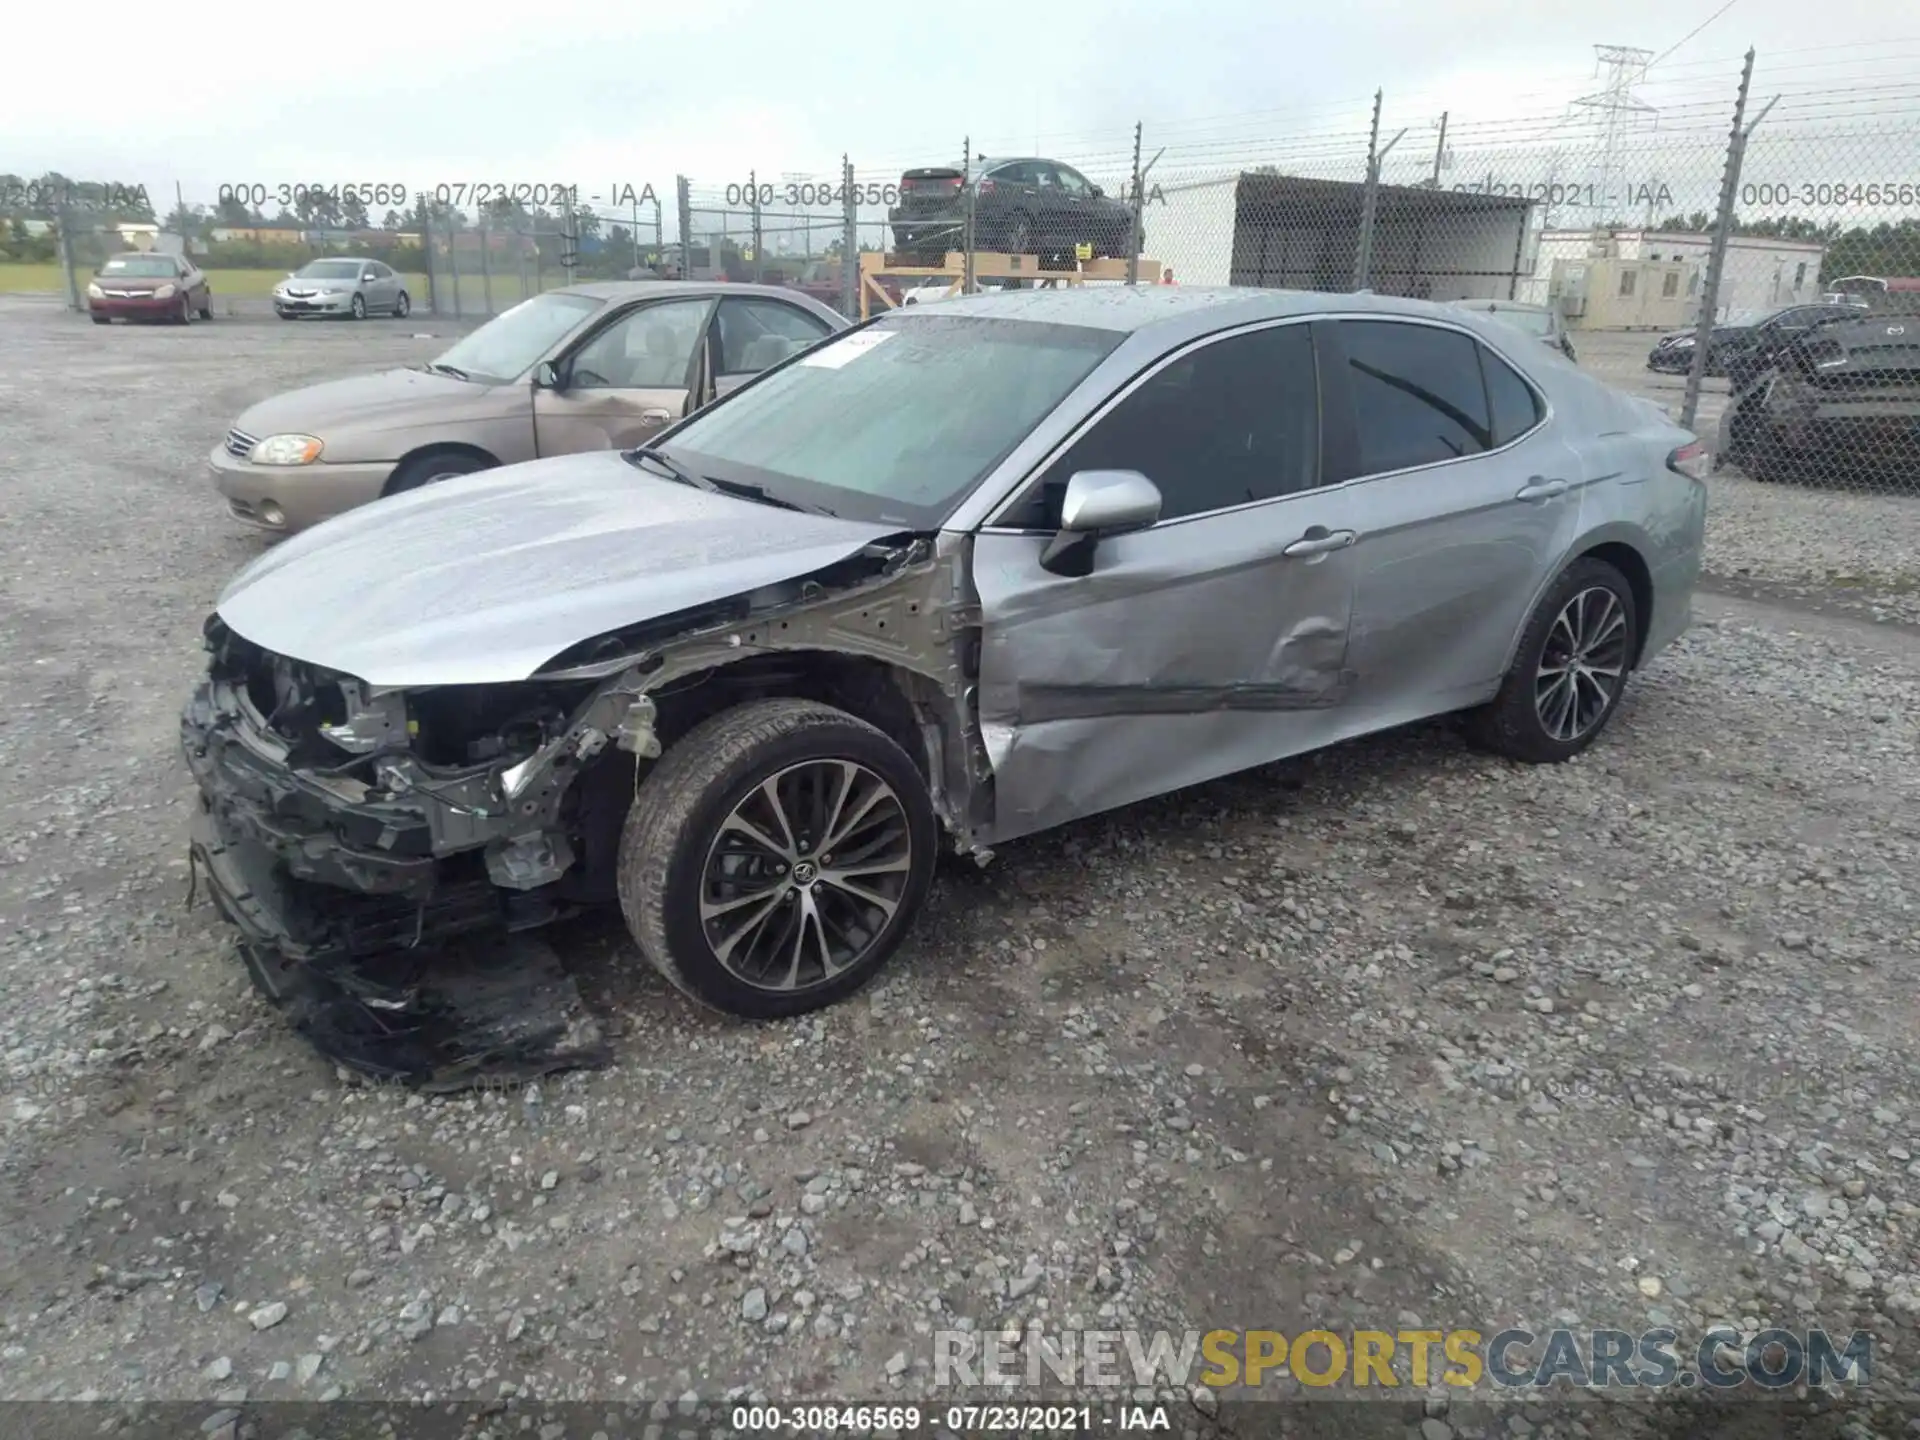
968,572
343,285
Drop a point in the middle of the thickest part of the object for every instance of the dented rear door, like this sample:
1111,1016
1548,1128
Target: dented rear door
1215,640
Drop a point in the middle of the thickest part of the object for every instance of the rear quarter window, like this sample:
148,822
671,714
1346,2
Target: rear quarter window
1514,407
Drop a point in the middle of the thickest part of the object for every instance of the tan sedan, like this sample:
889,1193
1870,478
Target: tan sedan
591,367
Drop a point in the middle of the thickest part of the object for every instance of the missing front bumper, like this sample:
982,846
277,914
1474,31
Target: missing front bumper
432,992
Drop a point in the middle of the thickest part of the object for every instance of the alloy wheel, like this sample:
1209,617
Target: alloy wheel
1582,664
804,875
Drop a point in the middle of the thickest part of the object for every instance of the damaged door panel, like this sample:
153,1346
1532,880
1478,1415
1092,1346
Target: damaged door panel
1194,649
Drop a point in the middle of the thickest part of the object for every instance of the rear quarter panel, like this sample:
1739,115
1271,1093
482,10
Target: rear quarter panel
1632,497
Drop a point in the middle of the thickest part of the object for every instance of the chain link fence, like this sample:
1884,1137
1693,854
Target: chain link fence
1736,241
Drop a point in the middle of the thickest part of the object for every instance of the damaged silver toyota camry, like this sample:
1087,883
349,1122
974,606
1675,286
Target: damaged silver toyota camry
953,577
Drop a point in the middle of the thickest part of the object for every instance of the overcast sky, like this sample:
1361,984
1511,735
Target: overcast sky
226,93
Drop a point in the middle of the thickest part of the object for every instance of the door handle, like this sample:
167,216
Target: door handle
655,417
1538,489
1319,544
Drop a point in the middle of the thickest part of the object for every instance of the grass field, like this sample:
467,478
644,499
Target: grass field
474,293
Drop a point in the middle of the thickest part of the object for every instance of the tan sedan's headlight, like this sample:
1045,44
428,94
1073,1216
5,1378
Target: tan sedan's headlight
285,450
165,292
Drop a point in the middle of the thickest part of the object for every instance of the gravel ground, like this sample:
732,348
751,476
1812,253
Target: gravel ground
1395,1034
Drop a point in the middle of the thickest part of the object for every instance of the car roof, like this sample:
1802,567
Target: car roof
641,289
1179,310
1485,304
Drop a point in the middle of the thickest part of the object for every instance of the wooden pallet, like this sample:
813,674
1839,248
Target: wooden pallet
989,265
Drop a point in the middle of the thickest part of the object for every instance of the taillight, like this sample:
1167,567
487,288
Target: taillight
1691,460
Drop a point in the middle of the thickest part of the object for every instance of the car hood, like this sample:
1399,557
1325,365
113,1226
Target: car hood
339,404
485,578
135,284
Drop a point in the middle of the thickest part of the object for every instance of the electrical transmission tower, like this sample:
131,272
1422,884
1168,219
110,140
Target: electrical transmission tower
1625,66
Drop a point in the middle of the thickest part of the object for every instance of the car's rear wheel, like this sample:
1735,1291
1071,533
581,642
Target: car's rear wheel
1569,670
775,857
357,307
430,468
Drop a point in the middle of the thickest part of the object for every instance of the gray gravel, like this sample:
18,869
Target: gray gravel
1393,1035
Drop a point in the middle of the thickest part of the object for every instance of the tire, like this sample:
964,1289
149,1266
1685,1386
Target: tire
1511,724
402,307
357,307
427,469
185,317
670,853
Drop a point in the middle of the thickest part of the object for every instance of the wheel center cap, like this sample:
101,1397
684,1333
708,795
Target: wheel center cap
805,872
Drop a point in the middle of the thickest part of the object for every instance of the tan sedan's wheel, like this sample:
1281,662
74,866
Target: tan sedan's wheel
775,857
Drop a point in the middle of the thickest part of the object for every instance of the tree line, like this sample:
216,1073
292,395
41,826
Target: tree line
1889,249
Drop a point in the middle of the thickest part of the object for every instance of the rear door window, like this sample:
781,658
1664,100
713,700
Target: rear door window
1418,394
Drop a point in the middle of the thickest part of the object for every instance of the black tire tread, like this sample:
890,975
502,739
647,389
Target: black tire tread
1507,724
665,801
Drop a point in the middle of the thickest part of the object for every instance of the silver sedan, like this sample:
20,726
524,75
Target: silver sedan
349,286
969,572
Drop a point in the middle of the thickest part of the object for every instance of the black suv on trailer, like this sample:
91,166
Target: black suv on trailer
1021,207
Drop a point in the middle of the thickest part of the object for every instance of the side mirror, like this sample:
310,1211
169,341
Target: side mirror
546,376
1099,193
1098,504
369,276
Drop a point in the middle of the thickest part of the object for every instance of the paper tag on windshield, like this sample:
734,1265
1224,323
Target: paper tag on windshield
841,352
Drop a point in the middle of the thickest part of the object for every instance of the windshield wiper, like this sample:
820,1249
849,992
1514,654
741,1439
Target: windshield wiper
758,494
664,466
454,370
740,489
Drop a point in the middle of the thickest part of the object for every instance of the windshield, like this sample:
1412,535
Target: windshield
1747,318
510,344
143,267
329,270
895,422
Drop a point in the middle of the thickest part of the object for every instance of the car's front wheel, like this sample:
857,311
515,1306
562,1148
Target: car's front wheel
1569,670
402,307
357,307
775,856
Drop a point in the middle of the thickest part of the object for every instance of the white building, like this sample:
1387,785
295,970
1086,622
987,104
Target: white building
1760,272
1287,232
